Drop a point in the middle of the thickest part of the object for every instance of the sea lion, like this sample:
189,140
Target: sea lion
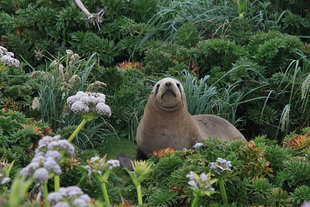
166,122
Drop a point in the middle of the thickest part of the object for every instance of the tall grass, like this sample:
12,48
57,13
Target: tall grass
204,99
53,93
54,90
208,15
296,91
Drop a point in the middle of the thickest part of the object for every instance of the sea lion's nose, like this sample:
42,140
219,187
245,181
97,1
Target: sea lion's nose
168,84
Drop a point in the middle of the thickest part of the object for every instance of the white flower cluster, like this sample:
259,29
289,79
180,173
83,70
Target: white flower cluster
3,179
70,195
198,145
98,165
221,165
305,204
202,182
47,158
84,102
8,57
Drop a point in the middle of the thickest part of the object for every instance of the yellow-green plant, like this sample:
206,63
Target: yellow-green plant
220,167
201,185
141,170
18,189
100,169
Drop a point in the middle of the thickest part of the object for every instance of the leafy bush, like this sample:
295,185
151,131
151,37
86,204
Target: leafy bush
18,90
19,135
217,56
187,35
274,50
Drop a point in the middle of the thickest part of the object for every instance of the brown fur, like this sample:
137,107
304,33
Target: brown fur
167,123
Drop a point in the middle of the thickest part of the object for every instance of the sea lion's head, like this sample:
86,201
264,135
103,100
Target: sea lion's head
169,94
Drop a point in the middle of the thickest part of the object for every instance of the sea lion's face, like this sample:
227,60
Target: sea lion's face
168,94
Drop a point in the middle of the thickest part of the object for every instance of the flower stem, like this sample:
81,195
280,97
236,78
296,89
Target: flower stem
223,191
45,194
195,202
76,131
56,183
139,193
105,194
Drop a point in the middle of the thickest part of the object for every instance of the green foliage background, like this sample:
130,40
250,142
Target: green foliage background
253,71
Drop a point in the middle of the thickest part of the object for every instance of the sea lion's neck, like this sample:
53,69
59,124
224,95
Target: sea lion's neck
155,112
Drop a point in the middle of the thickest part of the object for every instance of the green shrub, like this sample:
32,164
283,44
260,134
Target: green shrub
295,172
187,35
142,11
274,50
218,56
18,90
301,194
88,43
159,60
18,136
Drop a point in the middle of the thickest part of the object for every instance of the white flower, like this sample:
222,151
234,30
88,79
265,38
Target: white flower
72,99
10,54
203,177
62,145
41,175
38,159
71,192
305,204
5,180
54,198
103,109
46,140
221,165
79,107
3,49
52,166
53,154
25,172
94,159
62,204
79,203
198,145
193,184
89,102
86,198
113,163
8,60
191,175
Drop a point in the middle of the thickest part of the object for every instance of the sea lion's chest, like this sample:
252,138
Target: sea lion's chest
159,132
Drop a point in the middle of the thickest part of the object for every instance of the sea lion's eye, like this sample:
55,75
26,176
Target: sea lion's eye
178,85
157,88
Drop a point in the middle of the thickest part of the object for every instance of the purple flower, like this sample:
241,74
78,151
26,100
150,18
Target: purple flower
202,182
103,109
305,204
79,203
62,204
54,198
221,165
84,102
5,180
41,175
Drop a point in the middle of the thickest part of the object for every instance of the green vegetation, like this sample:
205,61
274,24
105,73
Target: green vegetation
246,61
